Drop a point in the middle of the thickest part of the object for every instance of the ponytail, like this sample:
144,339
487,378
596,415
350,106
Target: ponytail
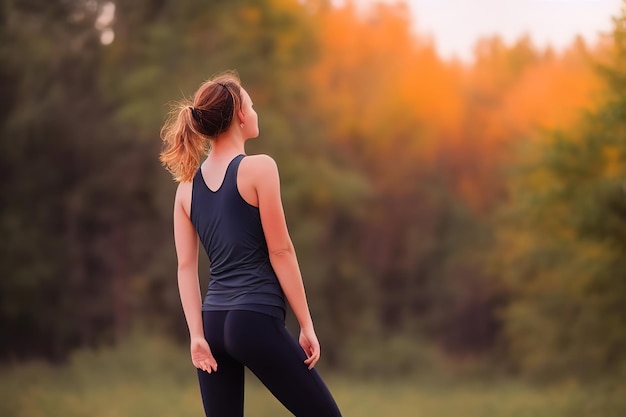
189,127
183,146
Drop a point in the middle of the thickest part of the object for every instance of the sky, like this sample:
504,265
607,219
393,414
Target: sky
455,25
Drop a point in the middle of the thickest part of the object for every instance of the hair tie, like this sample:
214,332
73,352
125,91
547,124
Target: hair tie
194,114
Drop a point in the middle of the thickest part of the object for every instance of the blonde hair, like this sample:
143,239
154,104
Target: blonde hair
191,125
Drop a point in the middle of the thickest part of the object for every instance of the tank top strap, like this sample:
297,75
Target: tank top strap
197,179
230,178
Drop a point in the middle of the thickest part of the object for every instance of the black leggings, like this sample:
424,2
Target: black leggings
261,343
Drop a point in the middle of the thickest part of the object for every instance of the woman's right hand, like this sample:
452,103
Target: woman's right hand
310,344
201,355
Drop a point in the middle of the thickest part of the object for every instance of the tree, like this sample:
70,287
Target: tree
562,238
73,186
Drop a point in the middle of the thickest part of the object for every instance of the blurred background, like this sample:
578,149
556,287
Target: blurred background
459,214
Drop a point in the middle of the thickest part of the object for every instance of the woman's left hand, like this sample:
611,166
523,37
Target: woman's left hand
201,355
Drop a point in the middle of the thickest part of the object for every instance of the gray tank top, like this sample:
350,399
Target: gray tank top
230,230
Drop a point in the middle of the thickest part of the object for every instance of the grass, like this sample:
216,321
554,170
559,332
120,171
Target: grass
153,378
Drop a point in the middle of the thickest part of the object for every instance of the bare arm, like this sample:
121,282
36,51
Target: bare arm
186,240
282,252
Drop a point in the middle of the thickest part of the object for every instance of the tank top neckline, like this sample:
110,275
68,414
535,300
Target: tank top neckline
223,179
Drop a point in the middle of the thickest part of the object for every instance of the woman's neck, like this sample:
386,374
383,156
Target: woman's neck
226,147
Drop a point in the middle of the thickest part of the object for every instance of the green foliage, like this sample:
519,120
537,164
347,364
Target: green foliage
561,244
75,187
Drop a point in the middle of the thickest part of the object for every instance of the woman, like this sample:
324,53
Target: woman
231,204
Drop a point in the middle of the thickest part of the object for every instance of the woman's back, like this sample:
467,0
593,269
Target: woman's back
231,233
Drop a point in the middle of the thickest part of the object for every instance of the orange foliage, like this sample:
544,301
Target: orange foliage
385,91
378,81
551,94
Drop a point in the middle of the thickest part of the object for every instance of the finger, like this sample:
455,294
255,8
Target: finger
200,365
313,358
312,363
210,361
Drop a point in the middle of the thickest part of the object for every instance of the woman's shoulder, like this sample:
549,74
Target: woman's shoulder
183,195
259,164
257,175
184,187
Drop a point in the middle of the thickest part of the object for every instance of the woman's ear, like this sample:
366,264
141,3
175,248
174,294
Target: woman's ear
241,116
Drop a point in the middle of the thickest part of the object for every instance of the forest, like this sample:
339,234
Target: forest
467,218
